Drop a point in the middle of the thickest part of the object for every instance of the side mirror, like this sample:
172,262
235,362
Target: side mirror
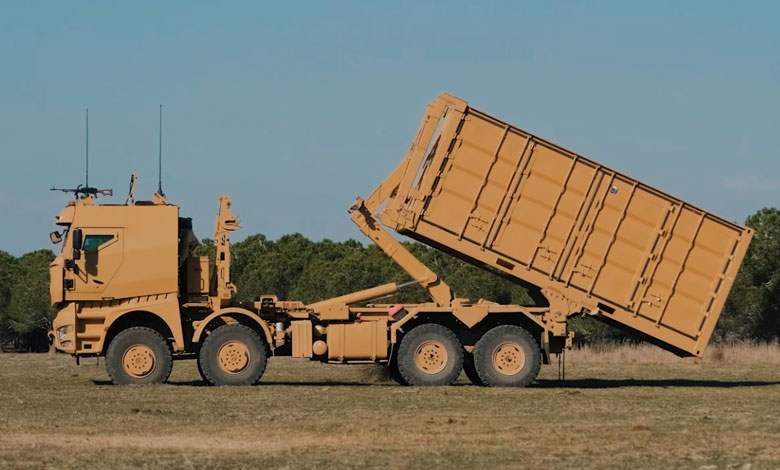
55,237
78,241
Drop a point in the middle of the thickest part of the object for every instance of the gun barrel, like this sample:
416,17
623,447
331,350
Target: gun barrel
85,190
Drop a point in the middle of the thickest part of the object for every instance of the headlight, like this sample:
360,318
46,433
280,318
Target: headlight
62,332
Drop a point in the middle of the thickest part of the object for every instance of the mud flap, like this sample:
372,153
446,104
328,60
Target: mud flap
545,347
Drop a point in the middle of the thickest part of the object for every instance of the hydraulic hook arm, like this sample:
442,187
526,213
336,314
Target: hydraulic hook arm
438,289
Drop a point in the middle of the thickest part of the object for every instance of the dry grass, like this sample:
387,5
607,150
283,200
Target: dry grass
622,407
735,354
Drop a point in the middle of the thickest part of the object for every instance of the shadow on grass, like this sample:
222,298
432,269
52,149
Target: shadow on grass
563,384
659,383
201,383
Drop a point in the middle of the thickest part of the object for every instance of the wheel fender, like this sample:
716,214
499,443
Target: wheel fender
232,311
396,326
166,309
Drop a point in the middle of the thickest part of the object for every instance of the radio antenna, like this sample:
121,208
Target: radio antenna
159,159
86,190
86,183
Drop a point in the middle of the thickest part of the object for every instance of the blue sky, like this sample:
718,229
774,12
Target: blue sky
296,108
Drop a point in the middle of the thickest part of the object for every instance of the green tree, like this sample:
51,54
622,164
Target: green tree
752,310
7,263
269,267
29,309
25,308
296,268
207,248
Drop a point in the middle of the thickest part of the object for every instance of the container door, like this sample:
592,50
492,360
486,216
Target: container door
685,282
536,227
620,236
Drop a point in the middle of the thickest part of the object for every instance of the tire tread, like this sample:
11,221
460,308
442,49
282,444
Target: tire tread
113,360
212,341
483,361
405,358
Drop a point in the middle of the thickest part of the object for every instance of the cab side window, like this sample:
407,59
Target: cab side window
92,242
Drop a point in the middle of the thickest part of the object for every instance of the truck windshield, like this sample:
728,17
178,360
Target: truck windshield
93,242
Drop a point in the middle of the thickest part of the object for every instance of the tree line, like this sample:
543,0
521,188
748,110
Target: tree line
294,267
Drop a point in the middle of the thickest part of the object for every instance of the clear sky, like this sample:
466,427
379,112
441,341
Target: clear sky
296,108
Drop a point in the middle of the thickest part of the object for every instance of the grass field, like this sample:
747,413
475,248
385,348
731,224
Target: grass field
618,408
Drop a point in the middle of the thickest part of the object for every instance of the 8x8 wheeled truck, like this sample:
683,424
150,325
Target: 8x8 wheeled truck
585,239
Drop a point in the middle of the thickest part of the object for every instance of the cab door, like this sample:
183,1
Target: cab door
101,255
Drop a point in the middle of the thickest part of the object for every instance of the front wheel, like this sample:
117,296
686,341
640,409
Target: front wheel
507,356
429,354
233,355
139,355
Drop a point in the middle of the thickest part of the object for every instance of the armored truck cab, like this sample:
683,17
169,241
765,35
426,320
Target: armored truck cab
115,259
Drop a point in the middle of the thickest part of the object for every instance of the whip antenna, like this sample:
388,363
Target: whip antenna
86,190
86,183
159,159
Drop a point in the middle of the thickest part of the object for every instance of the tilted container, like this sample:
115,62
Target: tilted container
592,239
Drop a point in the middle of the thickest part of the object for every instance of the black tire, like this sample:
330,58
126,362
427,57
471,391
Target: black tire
200,371
429,355
139,356
395,373
507,356
471,370
243,362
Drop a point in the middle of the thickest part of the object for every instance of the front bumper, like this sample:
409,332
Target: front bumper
63,334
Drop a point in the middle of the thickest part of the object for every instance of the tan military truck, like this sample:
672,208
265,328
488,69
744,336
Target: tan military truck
585,239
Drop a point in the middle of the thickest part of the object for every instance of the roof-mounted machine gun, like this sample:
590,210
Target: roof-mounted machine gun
85,191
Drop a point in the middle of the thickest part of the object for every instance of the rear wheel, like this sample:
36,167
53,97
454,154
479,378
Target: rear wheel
233,355
470,370
428,355
507,356
139,355
395,373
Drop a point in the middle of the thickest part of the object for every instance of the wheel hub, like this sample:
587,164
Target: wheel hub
233,357
508,358
138,361
431,357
